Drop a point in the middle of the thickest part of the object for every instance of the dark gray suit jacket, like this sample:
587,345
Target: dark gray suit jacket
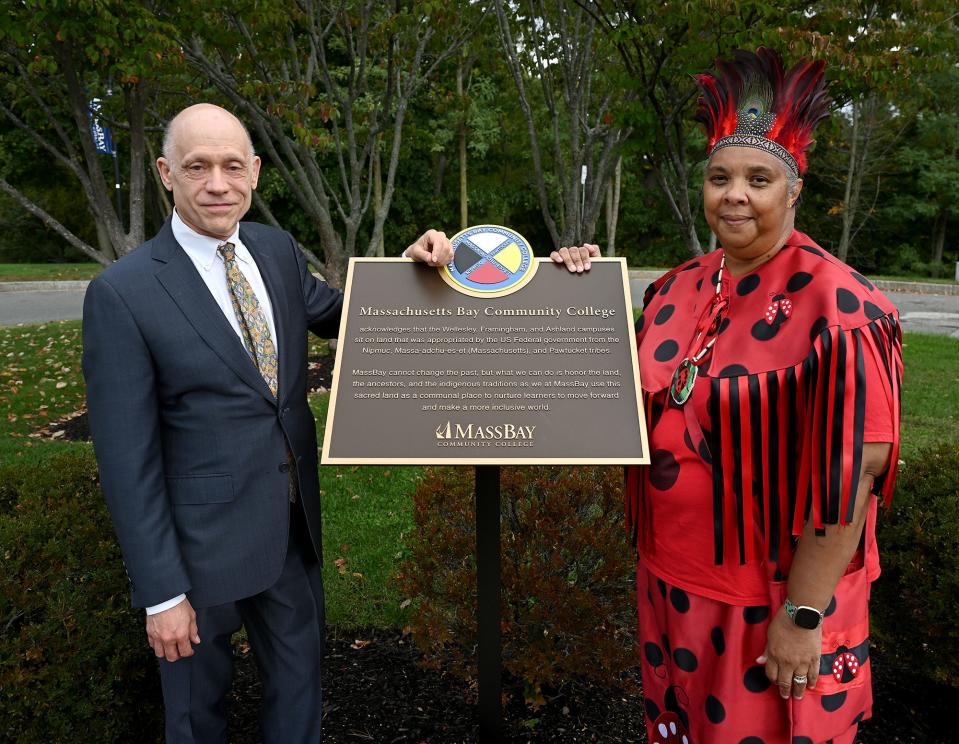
192,446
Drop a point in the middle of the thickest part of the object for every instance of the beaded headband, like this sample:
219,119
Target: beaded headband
752,102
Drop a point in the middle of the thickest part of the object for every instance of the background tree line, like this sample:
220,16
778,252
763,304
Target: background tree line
569,120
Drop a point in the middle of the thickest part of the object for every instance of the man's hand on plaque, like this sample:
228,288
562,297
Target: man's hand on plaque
432,247
577,257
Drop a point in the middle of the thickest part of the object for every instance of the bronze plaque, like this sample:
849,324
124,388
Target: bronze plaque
428,374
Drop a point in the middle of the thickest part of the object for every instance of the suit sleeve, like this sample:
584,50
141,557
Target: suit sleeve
125,422
323,303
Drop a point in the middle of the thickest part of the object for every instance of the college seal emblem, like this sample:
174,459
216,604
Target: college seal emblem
489,261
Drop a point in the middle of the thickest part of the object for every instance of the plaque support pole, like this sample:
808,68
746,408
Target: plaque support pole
490,650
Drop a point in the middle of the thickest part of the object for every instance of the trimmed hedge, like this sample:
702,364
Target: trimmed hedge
568,576
74,662
916,600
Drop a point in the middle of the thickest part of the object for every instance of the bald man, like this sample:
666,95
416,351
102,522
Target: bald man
195,358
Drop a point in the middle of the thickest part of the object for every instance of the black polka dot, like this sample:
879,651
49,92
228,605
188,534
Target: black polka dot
751,740
756,679
652,710
763,331
664,470
733,370
778,575
846,300
723,325
755,615
661,585
832,703
640,322
654,654
714,278
859,716
690,267
873,312
649,596
818,327
863,281
798,280
664,290
715,711
718,639
664,314
704,366
665,639
679,599
699,284
705,453
672,703
689,441
802,740
747,284
666,351
831,608
810,249
685,659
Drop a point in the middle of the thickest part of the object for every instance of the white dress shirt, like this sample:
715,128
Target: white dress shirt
201,250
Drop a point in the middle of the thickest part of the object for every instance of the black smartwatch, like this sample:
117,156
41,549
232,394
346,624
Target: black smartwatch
805,617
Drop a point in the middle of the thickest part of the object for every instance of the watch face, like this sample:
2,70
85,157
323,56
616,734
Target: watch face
807,618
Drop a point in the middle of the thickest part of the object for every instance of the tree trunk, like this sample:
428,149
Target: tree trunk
939,236
464,201
612,206
863,114
378,193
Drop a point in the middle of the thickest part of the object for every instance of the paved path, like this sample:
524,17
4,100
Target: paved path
925,313
919,312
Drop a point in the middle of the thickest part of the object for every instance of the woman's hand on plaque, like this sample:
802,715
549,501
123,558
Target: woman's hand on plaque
576,258
432,247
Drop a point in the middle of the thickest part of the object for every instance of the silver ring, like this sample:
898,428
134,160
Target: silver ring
800,679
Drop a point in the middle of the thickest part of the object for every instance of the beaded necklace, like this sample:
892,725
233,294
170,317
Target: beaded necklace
707,330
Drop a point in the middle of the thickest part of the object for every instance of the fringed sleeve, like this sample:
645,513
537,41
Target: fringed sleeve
787,444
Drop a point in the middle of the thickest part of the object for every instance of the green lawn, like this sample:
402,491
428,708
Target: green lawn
48,272
367,510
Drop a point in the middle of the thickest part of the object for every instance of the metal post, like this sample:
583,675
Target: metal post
116,184
490,651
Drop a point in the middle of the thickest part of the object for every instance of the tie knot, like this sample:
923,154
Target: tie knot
227,251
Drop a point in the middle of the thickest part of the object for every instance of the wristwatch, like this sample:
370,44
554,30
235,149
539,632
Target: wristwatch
804,617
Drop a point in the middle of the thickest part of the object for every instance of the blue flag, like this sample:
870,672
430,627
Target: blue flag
101,134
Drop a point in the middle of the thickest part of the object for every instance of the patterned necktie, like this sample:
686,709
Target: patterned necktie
253,327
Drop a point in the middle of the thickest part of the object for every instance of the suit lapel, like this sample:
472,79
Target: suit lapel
180,279
270,272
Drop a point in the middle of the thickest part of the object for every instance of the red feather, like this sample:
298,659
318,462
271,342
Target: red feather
799,99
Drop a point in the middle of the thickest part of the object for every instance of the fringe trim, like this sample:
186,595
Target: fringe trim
786,445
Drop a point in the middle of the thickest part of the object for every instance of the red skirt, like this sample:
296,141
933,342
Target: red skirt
702,685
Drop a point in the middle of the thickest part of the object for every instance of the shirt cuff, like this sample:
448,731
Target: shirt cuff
168,605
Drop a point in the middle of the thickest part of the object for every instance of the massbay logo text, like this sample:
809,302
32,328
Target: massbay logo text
452,434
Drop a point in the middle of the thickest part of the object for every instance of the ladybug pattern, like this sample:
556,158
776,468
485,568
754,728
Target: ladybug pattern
779,309
846,666
668,729
734,471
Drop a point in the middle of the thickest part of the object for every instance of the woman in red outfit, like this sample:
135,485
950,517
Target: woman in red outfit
771,375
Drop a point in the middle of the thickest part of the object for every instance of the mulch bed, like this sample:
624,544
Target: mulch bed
376,692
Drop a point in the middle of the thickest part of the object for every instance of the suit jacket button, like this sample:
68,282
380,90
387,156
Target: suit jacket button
284,467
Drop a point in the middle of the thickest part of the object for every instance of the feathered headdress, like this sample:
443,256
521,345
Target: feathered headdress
750,101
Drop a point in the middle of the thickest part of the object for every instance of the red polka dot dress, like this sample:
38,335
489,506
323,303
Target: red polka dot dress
805,368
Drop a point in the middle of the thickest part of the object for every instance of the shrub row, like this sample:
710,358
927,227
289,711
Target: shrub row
567,575
74,664
916,600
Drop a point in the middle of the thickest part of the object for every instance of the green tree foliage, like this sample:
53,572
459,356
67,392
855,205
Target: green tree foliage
55,57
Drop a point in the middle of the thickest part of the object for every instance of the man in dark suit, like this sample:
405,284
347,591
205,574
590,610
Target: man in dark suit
195,358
